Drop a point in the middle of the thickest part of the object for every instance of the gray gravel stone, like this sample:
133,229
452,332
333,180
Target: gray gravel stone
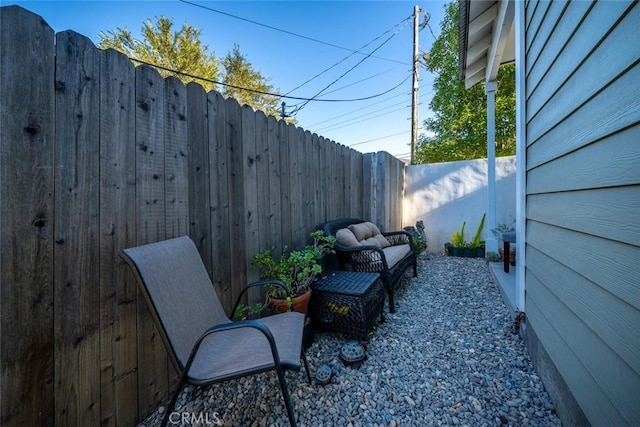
446,356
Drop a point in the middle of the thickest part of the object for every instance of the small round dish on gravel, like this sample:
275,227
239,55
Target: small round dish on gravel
323,374
352,354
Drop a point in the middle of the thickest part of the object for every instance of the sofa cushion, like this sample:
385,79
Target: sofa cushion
364,230
345,237
378,240
395,254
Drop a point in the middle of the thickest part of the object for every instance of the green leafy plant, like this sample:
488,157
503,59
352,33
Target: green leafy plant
457,238
418,245
298,269
246,311
476,242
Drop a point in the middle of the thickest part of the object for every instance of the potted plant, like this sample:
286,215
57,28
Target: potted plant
460,247
457,241
476,245
297,270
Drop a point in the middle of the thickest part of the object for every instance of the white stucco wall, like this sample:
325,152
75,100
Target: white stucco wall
443,195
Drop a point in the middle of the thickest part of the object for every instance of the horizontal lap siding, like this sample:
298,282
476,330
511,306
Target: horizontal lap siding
583,201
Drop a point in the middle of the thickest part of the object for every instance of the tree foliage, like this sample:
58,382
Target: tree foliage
238,73
180,50
183,51
459,123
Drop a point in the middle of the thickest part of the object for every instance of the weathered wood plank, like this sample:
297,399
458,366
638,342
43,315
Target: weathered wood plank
176,175
151,226
607,163
77,331
586,80
219,197
27,216
612,387
308,187
285,187
295,184
275,184
199,172
263,186
118,292
249,190
176,184
609,264
237,212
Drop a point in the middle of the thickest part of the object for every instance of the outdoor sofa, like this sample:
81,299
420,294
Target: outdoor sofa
361,246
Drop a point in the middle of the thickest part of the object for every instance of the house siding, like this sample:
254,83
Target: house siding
582,247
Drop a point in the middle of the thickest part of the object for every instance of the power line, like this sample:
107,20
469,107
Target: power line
378,139
332,126
285,31
339,116
349,70
346,57
362,80
353,111
277,95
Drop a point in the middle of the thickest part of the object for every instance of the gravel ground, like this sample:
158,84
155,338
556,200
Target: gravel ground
446,357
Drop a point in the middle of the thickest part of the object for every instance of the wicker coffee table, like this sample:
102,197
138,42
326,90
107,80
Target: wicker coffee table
347,301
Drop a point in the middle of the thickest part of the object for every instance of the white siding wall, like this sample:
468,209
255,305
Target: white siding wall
583,199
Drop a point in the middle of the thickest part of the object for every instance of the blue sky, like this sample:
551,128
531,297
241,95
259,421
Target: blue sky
380,123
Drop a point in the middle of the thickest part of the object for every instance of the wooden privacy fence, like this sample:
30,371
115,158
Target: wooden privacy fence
97,155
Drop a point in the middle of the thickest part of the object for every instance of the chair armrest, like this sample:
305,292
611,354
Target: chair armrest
230,326
275,282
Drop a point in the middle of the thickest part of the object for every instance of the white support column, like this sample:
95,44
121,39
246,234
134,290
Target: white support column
491,244
521,158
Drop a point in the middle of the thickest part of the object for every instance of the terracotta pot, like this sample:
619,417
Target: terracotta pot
299,303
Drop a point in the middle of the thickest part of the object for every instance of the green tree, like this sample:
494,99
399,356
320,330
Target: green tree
459,123
239,73
184,52
180,50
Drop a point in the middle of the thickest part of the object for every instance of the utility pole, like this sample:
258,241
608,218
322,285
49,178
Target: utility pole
414,99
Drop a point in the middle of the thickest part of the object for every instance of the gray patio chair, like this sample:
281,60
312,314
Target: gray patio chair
204,345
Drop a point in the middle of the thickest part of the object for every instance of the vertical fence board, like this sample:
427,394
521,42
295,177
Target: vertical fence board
285,188
249,188
77,329
263,186
295,190
285,179
219,195
152,356
118,290
176,184
26,213
275,185
236,196
176,175
199,172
